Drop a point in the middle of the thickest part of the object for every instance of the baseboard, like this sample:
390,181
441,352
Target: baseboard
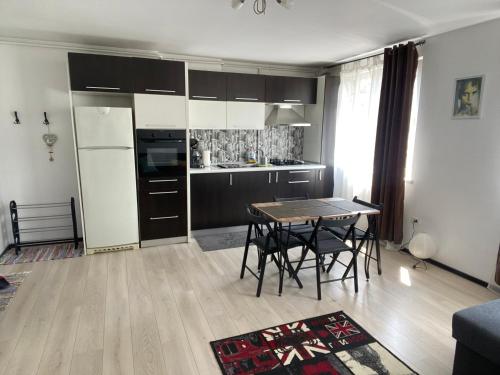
453,270
8,247
494,288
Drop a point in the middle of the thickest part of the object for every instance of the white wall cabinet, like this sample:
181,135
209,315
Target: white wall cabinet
242,115
160,111
207,114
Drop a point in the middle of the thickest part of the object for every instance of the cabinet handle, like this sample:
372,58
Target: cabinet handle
292,100
173,180
164,217
299,182
163,192
252,99
204,97
300,172
320,175
277,177
166,91
269,177
230,179
102,88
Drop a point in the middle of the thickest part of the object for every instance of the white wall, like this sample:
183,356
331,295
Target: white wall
456,189
34,80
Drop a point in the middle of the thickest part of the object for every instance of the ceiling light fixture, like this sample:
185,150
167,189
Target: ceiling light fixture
259,6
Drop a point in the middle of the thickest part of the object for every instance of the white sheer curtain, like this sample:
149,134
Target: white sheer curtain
355,134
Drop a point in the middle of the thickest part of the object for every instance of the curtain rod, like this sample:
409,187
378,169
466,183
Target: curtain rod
419,43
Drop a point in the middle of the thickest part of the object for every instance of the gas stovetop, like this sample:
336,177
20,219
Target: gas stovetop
286,162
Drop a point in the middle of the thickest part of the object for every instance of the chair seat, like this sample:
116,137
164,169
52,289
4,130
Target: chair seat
292,242
328,243
359,234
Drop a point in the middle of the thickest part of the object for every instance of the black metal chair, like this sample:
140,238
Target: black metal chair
301,231
324,242
370,237
269,242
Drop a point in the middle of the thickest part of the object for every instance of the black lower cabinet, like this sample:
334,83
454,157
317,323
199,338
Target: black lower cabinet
219,199
162,208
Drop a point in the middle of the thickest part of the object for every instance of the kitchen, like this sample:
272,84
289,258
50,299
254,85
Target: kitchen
248,137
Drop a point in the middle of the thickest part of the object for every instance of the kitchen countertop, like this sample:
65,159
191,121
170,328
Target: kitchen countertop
215,169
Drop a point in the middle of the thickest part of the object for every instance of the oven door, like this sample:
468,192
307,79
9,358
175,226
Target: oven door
161,153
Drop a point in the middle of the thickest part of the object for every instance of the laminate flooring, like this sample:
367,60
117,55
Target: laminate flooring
154,311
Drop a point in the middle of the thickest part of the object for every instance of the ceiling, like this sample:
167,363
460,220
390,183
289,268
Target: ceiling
314,32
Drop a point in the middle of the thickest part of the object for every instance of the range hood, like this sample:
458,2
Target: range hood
284,114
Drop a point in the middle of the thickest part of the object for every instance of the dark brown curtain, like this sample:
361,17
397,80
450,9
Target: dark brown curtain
400,66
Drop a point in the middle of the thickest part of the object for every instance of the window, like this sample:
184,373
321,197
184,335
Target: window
356,127
413,123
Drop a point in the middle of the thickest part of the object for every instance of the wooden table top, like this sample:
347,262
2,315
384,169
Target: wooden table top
311,209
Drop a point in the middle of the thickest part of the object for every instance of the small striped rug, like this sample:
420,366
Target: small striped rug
31,254
6,295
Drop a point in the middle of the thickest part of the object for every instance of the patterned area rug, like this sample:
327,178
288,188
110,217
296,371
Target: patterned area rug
211,242
331,344
15,280
40,253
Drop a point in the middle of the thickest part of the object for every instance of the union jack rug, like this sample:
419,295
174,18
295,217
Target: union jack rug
331,344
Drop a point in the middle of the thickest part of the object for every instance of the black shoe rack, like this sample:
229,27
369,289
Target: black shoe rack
46,217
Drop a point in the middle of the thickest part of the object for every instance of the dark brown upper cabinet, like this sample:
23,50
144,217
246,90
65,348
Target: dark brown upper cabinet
159,77
206,85
291,90
246,87
100,73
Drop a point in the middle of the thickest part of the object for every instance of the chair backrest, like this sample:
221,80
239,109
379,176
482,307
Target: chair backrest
341,222
257,220
288,199
368,204
372,219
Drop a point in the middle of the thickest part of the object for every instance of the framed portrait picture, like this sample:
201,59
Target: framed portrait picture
468,97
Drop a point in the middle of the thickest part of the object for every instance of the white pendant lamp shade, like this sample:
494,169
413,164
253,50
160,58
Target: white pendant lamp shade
237,4
422,246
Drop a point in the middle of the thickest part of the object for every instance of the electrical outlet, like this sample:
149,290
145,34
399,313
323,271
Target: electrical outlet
414,220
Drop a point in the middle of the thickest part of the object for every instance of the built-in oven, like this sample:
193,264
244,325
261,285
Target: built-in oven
161,153
162,169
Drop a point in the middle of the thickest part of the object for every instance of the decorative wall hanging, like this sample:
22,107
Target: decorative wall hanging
468,97
48,138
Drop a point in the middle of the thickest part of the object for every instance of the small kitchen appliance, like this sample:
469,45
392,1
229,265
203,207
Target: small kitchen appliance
196,158
206,158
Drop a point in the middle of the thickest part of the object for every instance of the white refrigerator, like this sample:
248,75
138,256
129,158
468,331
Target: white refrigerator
105,143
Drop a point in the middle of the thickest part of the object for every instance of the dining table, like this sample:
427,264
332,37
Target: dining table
309,210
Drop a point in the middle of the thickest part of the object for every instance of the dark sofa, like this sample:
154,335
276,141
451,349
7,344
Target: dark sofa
477,331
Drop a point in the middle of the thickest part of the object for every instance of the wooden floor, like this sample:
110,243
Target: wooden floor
154,311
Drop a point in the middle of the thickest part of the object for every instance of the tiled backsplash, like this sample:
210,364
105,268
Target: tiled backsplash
284,142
